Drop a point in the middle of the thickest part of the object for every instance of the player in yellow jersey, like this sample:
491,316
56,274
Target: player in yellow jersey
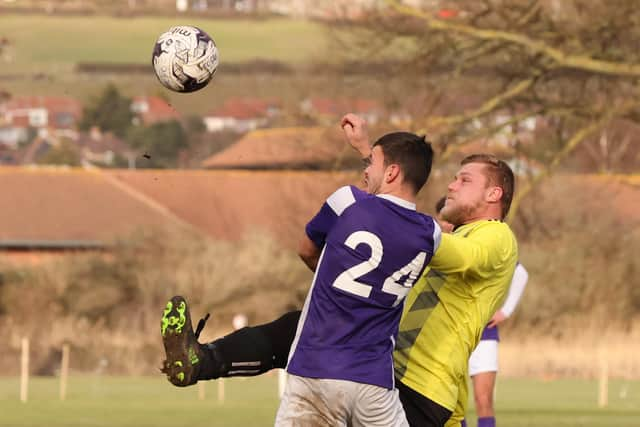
444,313
468,278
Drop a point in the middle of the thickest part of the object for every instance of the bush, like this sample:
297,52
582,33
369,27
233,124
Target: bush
108,306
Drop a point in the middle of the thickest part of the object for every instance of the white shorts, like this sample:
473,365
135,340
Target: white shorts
311,402
484,358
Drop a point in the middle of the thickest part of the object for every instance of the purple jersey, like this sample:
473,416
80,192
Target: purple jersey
373,250
490,334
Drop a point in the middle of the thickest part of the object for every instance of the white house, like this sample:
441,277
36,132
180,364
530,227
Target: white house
241,115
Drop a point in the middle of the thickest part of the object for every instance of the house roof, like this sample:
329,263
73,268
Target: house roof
226,204
61,205
244,108
57,207
62,112
50,103
152,109
99,142
286,148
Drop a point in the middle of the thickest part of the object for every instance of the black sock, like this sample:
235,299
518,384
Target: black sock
252,350
281,333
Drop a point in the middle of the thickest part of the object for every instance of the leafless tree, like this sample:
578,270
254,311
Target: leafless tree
572,65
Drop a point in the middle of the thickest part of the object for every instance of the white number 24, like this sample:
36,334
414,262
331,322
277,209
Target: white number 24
347,280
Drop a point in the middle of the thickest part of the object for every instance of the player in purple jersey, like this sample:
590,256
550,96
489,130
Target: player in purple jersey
367,249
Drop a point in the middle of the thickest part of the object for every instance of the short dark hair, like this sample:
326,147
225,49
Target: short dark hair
440,204
411,152
499,174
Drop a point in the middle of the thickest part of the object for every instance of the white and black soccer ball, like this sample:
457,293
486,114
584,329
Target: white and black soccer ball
185,58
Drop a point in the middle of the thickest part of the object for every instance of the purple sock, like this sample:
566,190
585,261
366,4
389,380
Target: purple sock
463,423
487,422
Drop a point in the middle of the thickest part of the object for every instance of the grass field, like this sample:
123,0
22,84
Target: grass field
61,41
118,401
44,51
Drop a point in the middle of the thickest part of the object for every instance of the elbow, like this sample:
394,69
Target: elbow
310,261
303,252
304,256
308,253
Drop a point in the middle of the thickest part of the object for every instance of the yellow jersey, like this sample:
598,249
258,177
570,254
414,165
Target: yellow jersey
447,309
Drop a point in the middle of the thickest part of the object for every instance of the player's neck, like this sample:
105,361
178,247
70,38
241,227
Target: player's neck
399,192
488,214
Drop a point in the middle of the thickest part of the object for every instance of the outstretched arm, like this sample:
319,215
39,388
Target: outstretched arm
355,131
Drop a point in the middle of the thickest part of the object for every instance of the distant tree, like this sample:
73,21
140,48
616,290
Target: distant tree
159,145
64,154
195,125
110,111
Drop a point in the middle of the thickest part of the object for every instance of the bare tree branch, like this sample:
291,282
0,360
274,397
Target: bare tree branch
487,107
578,137
537,46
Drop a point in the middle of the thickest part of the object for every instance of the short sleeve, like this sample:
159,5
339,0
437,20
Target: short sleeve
322,223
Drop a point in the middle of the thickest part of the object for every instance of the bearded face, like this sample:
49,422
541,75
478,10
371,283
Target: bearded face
466,195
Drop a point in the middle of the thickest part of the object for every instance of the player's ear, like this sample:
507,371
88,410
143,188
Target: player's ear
392,172
494,194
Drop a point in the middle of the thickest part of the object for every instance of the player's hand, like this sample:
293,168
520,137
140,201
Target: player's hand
497,318
355,131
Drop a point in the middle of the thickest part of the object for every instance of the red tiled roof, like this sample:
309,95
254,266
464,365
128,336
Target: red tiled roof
61,205
20,121
47,204
51,103
244,108
53,204
227,204
283,148
158,109
55,106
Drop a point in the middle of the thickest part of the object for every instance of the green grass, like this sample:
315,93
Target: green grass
113,401
59,42
117,401
45,50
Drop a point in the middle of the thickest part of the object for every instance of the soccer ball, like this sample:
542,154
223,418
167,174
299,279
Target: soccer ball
185,58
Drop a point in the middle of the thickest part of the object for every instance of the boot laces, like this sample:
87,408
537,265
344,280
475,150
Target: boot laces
201,324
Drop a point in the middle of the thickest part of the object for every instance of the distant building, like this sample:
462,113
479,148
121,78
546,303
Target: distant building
102,149
152,109
241,115
52,117
313,148
12,136
327,110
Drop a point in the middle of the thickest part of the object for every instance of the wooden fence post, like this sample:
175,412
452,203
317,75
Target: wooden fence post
24,370
603,384
221,390
64,371
201,390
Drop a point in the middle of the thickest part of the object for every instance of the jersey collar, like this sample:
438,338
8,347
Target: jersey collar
398,201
